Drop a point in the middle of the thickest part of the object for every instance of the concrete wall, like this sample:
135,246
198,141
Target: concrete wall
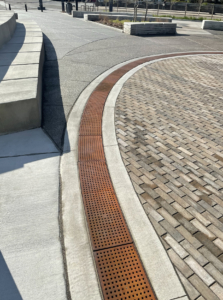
7,26
21,65
94,17
213,25
141,28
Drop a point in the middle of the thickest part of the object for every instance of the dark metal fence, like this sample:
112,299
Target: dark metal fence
175,9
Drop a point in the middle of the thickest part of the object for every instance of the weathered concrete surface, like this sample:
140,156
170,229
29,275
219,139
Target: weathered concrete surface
144,28
7,26
21,80
31,263
213,25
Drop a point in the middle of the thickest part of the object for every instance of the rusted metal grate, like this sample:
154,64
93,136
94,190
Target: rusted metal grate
88,128
122,275
106,223
94,177
90,148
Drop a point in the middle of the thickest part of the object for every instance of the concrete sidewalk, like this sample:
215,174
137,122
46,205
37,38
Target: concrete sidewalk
31,262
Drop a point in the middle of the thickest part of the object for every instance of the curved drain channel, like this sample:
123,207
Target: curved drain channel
120,270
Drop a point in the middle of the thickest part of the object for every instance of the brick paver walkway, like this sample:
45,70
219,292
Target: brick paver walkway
169,125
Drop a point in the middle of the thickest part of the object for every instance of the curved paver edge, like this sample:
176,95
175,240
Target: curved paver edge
82,274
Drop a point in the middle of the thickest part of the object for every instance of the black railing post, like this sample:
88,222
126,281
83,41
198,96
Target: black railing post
110,5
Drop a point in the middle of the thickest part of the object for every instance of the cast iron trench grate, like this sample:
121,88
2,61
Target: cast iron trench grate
120,270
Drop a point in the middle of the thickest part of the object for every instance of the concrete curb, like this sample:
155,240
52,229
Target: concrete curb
82,275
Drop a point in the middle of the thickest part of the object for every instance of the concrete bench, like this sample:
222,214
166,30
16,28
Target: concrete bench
212,25
21,63
80,14
7,26
96,17
145,28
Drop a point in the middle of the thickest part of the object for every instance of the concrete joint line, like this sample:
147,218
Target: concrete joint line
82,276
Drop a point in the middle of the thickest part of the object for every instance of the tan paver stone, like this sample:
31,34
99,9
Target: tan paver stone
192,292
214,273
205,291
218,290
194,253
180,264
176,246
199,271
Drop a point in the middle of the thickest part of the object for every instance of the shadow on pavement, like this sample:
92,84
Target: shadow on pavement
8,288
54,118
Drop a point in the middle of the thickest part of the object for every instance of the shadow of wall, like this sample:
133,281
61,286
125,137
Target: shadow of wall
8,288
54,119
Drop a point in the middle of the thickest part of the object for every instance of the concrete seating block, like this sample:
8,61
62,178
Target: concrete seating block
21,64
7,26
147,28
20,107
212,25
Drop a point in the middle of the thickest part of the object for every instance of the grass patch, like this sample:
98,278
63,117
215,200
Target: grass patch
114,23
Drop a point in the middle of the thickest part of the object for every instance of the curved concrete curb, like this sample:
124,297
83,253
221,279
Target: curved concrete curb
158,267
81,271
21,65
7,26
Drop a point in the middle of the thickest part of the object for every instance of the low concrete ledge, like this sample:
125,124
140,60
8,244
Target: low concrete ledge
145,28
21,63
80,14
94,17
213,25
7,26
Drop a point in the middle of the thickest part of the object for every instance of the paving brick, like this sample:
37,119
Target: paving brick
208,244
202,288
194,253
218,243
198,216
187,225
176,246
168,217
206,278
159,229
150,211
214,273
192,292
218,290
179,263
147,198
182,211
172,231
